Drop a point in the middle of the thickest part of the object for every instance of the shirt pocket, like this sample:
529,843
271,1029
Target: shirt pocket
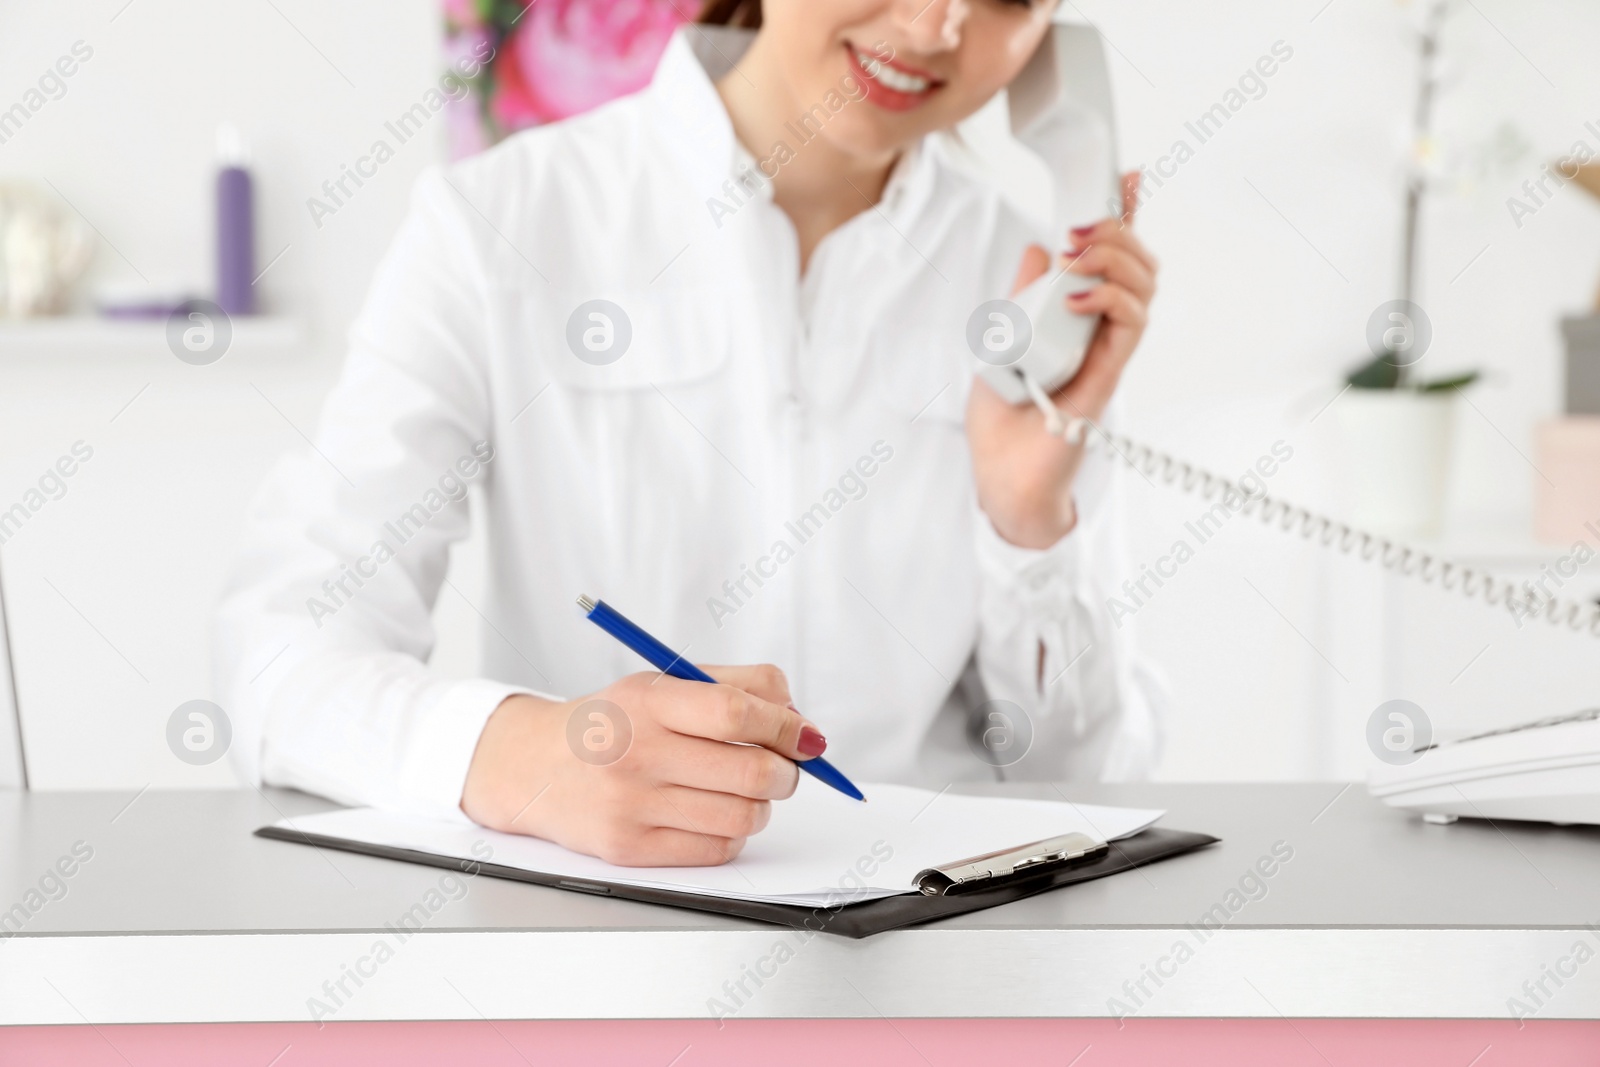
632,342
635,446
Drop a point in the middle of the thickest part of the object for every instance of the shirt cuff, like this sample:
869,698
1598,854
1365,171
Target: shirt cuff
1031,572
1042,572
434,771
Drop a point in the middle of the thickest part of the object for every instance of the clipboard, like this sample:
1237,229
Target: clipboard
958,888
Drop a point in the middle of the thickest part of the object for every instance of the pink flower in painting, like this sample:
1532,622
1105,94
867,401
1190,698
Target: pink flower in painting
468,52
462,13
566,56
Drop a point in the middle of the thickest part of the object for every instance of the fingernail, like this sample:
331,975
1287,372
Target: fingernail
1082,231
812,743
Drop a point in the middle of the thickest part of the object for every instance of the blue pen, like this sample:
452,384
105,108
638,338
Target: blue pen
667,661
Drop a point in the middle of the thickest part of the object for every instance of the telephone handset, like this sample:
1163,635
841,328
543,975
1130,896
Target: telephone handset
1061,108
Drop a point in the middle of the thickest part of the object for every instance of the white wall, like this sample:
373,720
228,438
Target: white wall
1252,328
131,144
1254,324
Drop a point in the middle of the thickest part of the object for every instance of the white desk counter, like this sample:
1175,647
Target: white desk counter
178,914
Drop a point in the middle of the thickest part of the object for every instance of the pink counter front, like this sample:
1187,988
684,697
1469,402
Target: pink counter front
878,1042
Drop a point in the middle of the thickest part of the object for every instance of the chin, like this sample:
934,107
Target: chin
863,135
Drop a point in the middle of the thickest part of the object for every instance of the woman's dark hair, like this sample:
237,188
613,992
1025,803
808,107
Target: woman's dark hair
745,14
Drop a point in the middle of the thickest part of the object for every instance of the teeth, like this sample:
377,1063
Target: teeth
889,77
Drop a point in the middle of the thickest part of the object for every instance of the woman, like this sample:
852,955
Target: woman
703,350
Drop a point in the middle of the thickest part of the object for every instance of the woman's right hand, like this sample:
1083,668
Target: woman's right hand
651,771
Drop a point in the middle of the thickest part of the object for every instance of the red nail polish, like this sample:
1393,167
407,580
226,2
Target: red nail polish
812,743
1082,231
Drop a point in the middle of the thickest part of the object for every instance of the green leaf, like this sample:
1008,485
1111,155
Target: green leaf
1440,385
1377,373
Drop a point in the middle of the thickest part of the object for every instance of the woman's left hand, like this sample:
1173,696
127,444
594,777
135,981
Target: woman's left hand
1024,474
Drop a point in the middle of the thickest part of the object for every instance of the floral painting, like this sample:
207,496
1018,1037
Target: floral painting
550,59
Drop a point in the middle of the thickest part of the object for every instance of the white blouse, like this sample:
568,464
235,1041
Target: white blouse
754,464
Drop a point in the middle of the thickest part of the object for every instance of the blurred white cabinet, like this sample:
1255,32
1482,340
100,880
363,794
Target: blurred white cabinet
1480,670
1470,667
111,581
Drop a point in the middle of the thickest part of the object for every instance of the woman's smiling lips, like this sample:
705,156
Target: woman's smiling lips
892,86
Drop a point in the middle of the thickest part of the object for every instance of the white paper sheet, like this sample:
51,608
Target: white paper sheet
820,847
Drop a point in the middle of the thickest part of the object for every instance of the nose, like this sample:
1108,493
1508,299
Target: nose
931,26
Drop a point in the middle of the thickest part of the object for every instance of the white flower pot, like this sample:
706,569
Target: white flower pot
1395,459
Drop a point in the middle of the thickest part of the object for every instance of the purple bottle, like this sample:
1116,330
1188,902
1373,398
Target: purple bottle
236,236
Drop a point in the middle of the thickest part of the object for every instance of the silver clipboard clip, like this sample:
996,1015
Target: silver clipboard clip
966,875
